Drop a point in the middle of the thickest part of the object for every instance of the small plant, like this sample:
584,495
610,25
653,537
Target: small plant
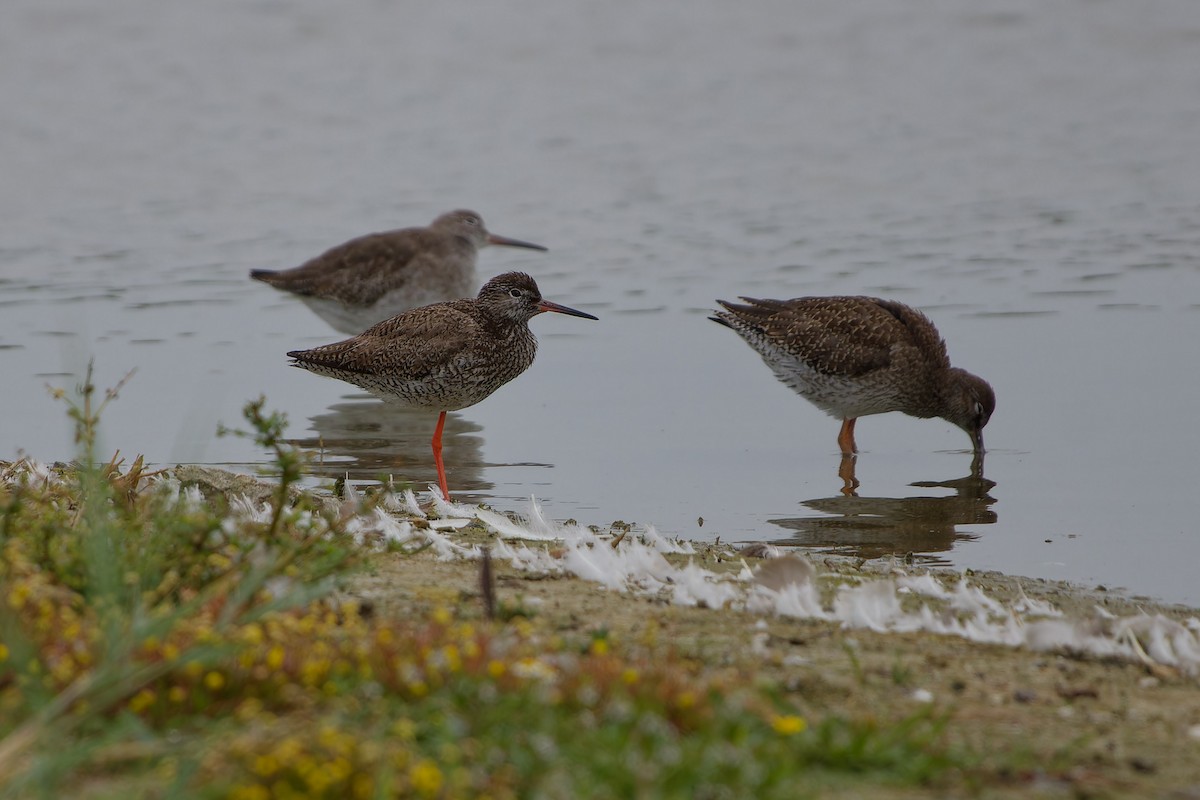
112,580
268,429
902,674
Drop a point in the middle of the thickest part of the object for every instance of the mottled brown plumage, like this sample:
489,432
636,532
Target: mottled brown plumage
444,356
374,277
854,356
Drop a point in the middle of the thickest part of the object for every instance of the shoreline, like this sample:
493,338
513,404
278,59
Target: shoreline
215,480
883,594
1039,687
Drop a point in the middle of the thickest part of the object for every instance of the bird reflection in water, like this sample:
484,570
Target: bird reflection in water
871,527
366,439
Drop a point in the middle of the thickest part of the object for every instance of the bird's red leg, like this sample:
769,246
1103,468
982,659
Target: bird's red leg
846,473
437,455
846,437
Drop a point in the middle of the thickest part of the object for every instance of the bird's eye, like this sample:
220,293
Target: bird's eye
514,292
471,220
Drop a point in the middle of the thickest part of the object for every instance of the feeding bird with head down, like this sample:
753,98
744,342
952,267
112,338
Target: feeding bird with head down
856,356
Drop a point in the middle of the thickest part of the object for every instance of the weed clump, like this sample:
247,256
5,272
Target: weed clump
116,582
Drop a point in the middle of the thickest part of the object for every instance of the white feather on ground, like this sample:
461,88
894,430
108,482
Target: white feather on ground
635,565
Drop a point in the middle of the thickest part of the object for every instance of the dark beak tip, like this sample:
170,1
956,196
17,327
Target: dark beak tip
574,313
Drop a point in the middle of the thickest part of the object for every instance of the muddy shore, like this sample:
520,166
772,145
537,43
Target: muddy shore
1054,722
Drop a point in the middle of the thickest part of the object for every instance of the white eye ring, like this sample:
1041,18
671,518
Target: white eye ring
514,292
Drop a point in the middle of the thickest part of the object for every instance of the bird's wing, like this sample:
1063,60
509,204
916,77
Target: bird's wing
922,333
354,272
412,345
844,336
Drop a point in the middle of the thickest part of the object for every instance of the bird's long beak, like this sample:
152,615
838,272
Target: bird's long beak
546,305
977,440
506,242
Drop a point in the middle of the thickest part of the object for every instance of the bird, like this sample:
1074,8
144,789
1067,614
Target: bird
371,278
852,356
445,356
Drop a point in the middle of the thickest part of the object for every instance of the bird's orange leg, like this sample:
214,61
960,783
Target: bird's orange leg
846,437
437,455
846,473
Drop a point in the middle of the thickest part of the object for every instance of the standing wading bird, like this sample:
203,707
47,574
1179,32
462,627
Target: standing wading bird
854,356
444,356
374,277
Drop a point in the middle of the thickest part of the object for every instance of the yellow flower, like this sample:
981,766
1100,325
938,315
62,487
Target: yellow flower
363,786
252,634
599,647
63,669
266,765
288,750
141,701
442,616
317,780
275,657
426,778
496,668
18,595
251,791
404,729
214,681
313,672
630,675
788,724
338,770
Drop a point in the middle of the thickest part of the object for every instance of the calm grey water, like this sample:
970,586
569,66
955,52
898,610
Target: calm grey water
1027,173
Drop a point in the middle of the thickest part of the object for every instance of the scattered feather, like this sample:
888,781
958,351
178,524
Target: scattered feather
449,524
504,527
445,509
760,550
